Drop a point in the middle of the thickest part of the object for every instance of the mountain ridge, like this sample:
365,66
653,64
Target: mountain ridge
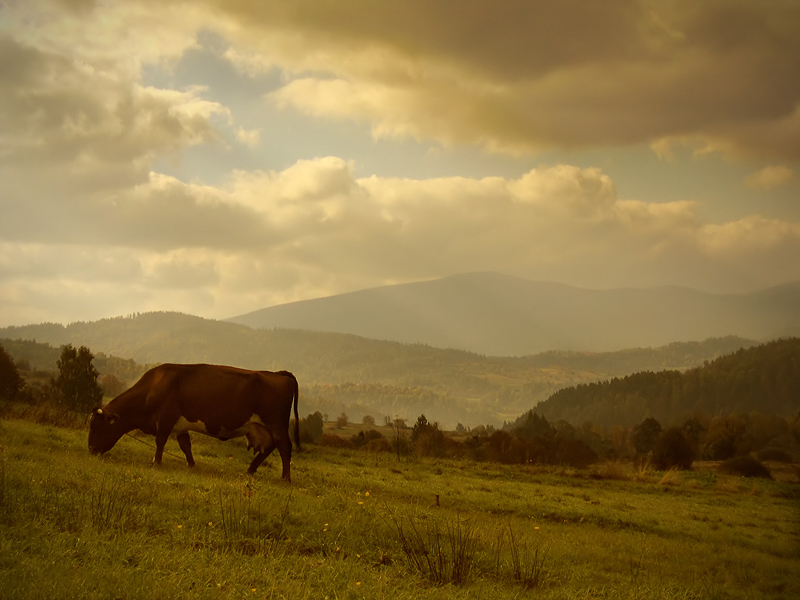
499,315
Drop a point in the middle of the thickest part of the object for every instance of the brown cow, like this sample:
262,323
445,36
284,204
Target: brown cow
223,402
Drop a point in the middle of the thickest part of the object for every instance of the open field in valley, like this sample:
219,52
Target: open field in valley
365,525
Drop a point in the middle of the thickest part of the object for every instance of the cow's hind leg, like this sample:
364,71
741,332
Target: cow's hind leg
260,458
186,445
285,449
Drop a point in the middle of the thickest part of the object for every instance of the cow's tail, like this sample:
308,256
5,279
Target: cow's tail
296,390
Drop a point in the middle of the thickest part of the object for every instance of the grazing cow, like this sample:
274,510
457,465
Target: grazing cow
223,402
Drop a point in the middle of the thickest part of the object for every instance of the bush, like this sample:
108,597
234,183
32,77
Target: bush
363,437
379,445
645,435
573,453
334,441
775,454
311,428
672,449
746,466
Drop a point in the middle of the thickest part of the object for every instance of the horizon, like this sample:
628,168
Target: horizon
230,318
216,159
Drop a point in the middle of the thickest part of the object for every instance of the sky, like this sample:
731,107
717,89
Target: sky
215,157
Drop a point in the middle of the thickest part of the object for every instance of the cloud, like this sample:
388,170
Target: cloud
521,76
517,77
770,178
314,228
248,137
89,223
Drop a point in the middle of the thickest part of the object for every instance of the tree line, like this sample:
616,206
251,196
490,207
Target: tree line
537,441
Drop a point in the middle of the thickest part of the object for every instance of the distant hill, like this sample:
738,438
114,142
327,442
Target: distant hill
499,315
340,372
763,379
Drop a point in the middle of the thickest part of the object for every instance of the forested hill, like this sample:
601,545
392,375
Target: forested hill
342,369
763,378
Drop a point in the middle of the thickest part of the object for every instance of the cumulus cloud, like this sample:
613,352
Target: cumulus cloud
315,228
770,178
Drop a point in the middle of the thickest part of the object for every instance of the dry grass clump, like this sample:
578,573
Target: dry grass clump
671,477
611,470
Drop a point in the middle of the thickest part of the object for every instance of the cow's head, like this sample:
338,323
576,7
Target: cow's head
105,430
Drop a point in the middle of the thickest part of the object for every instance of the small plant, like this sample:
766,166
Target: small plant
247,527
110,507
642,470
443,554
671,477
527,567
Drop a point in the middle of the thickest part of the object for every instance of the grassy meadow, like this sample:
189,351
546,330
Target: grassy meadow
359,525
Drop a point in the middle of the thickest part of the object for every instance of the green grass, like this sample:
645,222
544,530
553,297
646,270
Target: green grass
359,525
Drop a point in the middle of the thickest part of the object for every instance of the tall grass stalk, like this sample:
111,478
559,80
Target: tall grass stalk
111,507
442,553
248,527
527,566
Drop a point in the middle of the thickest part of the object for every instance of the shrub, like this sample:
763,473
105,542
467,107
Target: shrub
724,438
379,445
746,466
776,454
672,450
573,453
363,437
334,441
645,435
311,428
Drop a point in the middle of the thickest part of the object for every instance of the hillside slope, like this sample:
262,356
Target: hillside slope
361,376
498,315
763,379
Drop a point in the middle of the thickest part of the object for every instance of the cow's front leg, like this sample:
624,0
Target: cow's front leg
163,429
186,445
